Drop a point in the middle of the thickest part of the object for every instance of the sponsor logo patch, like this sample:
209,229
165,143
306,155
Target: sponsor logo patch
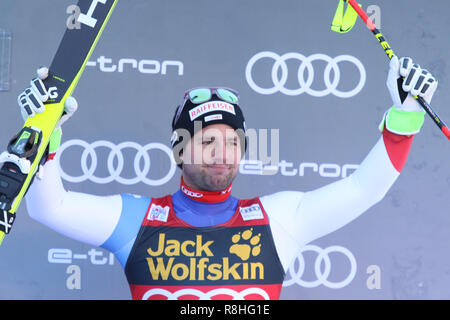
210,106
158,213
252,212
213,117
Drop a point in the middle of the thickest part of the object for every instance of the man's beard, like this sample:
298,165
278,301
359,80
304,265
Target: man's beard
207,182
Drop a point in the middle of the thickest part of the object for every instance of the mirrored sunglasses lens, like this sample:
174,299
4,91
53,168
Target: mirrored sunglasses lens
228,95
200,95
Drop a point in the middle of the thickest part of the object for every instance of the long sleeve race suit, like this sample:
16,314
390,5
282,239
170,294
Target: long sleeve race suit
179,246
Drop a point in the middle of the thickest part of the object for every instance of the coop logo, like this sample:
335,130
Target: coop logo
144,66
163,265
280,73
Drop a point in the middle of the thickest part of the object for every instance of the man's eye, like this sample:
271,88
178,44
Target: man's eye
206,142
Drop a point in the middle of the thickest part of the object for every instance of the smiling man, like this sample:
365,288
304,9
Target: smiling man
201,242
220,158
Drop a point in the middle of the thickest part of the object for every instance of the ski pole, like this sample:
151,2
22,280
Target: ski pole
390,53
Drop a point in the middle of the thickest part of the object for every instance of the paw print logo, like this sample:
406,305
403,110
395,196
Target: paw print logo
249,244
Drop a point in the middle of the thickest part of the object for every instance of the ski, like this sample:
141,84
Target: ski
27,150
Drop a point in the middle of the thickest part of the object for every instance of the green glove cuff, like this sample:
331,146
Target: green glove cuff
55,140
402,122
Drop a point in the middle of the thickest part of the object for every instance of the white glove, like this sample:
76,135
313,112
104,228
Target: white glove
31,101
405,81
417,82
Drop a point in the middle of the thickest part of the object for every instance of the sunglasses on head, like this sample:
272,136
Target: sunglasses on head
200,95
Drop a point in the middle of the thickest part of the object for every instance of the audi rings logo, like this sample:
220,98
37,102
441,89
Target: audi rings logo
280,74
115,162
206,295
321,274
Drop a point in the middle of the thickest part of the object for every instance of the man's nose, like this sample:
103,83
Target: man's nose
219,152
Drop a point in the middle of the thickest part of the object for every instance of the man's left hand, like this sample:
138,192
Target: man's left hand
405,82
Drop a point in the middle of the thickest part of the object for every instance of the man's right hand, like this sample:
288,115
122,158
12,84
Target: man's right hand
31,101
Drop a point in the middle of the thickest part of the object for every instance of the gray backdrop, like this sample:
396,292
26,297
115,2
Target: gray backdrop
400,246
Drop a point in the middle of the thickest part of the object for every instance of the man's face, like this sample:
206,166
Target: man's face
211,158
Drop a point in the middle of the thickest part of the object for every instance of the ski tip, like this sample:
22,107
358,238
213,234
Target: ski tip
2,235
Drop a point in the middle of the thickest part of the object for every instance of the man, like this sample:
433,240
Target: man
202,242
